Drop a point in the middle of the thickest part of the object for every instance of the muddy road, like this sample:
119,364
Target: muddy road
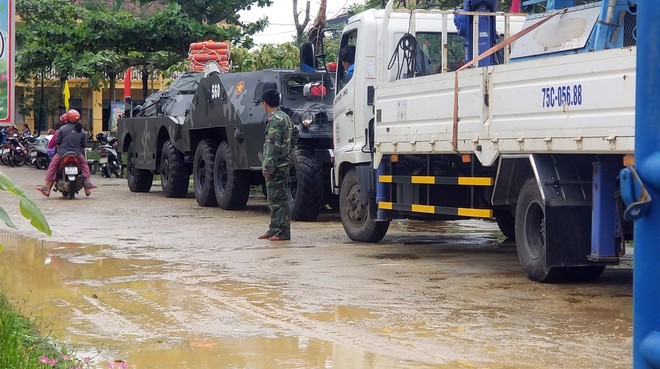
164,283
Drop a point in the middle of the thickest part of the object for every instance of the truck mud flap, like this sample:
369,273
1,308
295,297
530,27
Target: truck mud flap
565,182
367,177
568,235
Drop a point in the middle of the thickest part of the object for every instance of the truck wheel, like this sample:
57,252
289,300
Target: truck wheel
305,186
231,187
203,173
139,180
359,224
506,222
530,235
174,178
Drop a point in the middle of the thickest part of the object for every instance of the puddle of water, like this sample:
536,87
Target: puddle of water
343,313
156,314
132,310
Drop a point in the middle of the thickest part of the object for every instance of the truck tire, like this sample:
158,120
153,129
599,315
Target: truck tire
305,186
506,222
231,187
174,177
358,221
139,180
530,235
203,173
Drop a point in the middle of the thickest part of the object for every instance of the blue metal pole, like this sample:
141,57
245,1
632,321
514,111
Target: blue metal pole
646,279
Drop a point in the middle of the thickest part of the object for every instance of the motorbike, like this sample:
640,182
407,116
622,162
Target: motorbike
69,179
38,149
108,159
14,153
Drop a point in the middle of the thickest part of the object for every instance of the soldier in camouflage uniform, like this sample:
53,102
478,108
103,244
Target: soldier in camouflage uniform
275,167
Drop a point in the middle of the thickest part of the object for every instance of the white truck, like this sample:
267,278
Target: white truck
535,140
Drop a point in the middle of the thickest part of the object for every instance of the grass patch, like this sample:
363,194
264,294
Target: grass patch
22,347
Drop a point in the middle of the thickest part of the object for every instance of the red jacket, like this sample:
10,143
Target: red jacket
51,143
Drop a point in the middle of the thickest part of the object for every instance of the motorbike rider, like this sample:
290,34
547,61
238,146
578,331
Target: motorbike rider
69,138
51,142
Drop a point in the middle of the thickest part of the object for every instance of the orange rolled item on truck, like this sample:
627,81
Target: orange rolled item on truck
200,53
209,45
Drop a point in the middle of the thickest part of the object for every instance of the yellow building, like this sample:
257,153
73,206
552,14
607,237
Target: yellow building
94,106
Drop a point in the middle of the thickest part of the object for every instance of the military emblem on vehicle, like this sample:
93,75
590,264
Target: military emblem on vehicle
240,87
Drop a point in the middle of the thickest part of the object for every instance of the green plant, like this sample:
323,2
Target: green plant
27,206
22,347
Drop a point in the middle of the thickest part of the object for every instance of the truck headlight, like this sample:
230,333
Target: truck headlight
307,118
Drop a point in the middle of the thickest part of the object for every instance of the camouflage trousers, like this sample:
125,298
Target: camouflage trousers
278,203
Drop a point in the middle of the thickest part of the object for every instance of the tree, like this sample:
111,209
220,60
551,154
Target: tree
217,11
91,39
43,41
300,27
316,33
284,55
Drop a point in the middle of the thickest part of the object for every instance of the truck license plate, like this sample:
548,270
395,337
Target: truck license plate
70,171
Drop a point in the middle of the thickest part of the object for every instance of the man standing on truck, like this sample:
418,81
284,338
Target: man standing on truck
275,167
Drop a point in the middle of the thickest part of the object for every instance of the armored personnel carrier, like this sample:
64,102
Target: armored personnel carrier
210,125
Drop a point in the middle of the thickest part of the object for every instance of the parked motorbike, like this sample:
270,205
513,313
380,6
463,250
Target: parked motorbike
38,149
13,152
69,179
108,159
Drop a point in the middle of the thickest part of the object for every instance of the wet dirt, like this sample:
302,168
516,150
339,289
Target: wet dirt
164,283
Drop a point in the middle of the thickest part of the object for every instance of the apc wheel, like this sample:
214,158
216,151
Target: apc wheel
139,180
203,173
530,235
305,186
231,187
359,224
506,222
174,177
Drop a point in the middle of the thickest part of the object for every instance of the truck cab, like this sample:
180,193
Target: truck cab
410,44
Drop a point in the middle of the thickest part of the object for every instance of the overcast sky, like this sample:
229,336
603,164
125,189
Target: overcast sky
280,15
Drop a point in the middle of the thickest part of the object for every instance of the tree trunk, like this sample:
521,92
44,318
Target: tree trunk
300,28
315,34
145,81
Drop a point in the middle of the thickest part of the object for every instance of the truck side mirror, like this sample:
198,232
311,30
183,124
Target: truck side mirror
307,57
